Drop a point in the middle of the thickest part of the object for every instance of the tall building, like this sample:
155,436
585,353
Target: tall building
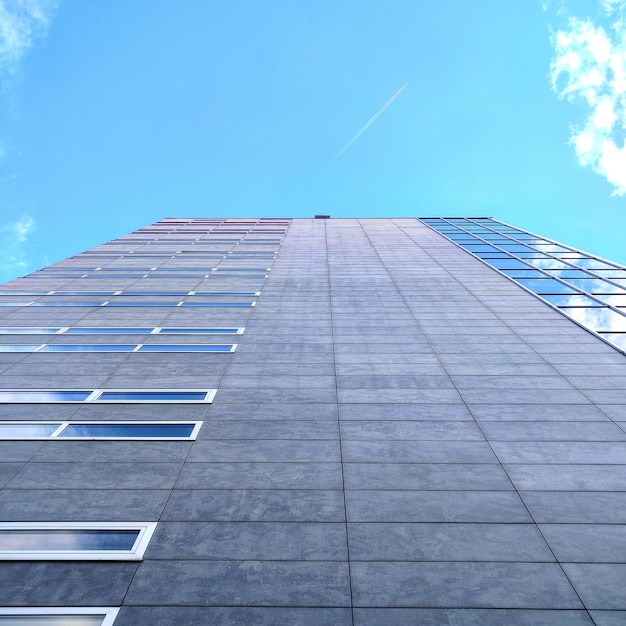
315,421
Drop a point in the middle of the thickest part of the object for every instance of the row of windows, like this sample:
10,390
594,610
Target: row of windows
114,303
114,347
99,430
106,395
140,275
75,541
116,330
131,293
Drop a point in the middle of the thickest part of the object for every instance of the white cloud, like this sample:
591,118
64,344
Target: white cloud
13,237
589,66
22,23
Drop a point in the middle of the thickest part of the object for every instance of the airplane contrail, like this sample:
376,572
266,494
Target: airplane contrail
370,121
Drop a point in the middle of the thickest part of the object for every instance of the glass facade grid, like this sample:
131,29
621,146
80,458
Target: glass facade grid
587,289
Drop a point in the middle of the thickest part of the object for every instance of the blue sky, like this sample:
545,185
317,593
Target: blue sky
116,114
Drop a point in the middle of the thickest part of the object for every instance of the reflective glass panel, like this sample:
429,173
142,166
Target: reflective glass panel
152,396
106,331
43,396
29,331
508,264
615,300
65,304
17,348
619,339
571,301
571,273
217,303
598,319
87,348
523,273
127,430
26,431
595,285
66,539
547,263
186,348
545,285
51,620
198,331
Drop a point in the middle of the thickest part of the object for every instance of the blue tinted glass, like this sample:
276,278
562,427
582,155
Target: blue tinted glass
87,348
240,276
120,303
217,303
508,264
596,285
571,301
198,331
105,331
155,293
225,293
26,431
548,264
571,273
479,248
515,248
523,273
185,348
127,430
613,273
15,303
58,619
16,348
619,339
43,396
598,319
84,293
545,285
29,331
152,396
66,303
589,263
70,539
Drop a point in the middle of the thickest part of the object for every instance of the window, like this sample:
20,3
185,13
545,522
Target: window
114,347
99,430
106,395
71,541
58,616
116,330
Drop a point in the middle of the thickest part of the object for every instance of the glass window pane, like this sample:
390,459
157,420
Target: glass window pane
26,431
545,285
103,331
29,331
128,430
18,348
43,396
619,339
186,348
153,396
217,304
51,620
619,300
523,273
66,539
198,331
595,285
87,348
571,301
508,264
600,320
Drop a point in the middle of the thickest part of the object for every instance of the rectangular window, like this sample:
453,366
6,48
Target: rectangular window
58,616
105,395
10,431
116,330
71,541
94,347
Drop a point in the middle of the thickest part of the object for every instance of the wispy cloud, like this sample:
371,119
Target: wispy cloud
13,238
589,66
22,23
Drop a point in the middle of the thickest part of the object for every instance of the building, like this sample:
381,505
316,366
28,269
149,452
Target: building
315,421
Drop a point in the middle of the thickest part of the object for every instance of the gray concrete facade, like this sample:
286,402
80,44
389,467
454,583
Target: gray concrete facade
403,436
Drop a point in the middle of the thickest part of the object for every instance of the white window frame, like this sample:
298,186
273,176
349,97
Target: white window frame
62,425
110,347
108,613
145,531
95,394
158,330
